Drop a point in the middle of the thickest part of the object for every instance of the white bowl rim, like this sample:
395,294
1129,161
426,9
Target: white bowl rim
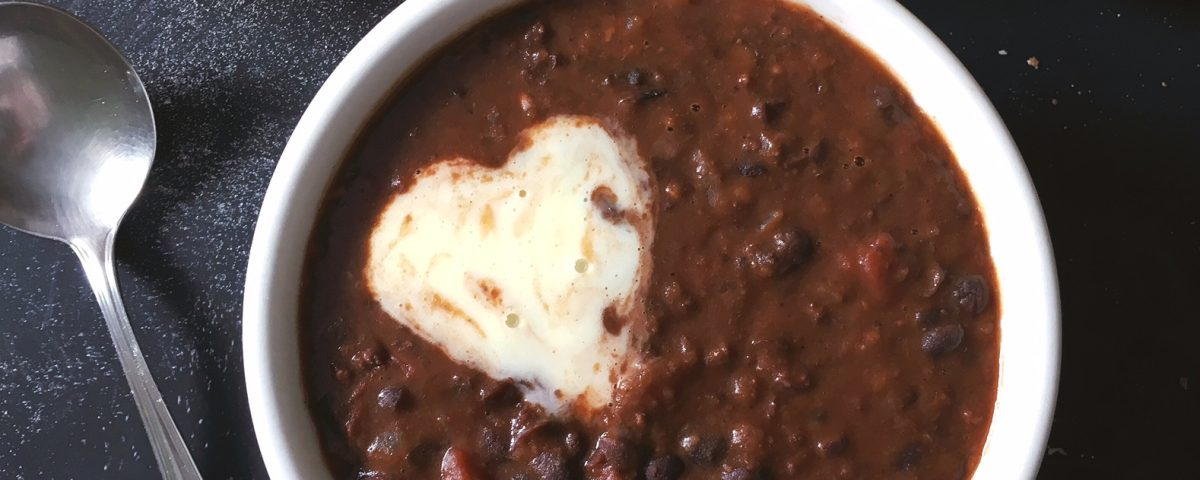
939,84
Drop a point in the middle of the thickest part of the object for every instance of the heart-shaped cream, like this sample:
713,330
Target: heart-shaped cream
511,270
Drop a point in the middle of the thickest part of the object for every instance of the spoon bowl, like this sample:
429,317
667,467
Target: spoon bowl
76,130
76,142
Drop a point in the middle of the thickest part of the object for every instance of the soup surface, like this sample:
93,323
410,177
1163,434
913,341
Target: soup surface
817,301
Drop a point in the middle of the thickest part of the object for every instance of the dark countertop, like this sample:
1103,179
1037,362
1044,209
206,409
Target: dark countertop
1109,125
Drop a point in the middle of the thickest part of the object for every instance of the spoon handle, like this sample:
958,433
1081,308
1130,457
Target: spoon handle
174,461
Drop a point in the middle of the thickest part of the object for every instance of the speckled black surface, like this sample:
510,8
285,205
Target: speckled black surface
1109,125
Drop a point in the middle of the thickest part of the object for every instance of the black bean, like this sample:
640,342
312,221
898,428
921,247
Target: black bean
717,355
902,398
461,384
774,369
766,111
752,170
770,145
375,475
550,465
611,454
703,170
492,445
538,63
650,94
704,449
573,442
368,358
675,298
779,254
664,467
927,317
833,445
528,423
499,395
758,110
811,152
384,444
394,398
942,339
745,438
970,294
495,128
908,457
743,388
634,77
803,379
741,473
891,106
457,466
422,455
536,33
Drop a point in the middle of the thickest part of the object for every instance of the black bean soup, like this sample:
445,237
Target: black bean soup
822,300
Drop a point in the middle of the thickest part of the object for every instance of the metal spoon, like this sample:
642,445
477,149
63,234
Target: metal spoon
76,142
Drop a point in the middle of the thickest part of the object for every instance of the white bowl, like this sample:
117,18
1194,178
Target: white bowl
1029,344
